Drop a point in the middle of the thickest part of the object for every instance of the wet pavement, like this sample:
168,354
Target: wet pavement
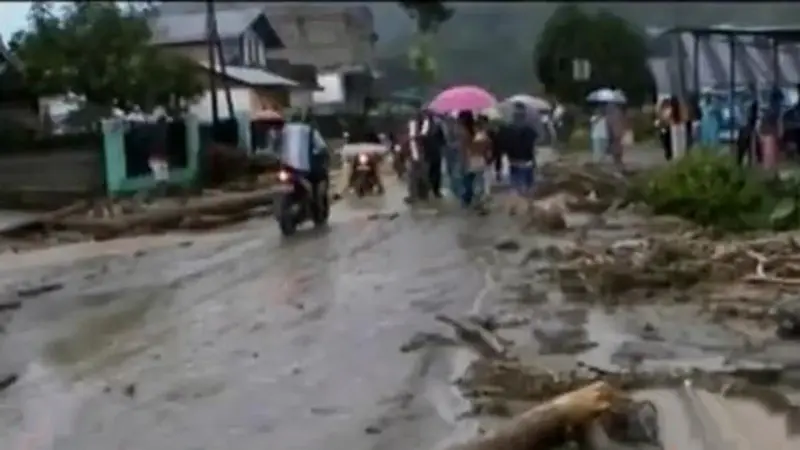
241,339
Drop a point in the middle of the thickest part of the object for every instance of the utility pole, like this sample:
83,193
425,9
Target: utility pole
212,64
215,49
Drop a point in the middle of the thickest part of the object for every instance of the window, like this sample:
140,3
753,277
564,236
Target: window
250,43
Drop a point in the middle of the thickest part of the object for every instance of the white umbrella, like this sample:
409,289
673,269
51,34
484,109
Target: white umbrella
606,95
529,101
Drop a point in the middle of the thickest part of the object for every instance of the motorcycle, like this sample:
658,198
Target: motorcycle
296,202
365,161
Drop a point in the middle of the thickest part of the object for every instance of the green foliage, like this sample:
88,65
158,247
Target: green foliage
428,16
616,51
101,51
712,190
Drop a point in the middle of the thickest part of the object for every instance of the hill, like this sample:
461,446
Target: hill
491,44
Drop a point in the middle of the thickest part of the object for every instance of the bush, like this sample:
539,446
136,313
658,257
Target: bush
713,190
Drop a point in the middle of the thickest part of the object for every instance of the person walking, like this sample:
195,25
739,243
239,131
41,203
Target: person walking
452,155
599,134
618,128
433,143
474,144
521,139
771,131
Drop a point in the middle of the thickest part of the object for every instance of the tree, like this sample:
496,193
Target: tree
101,52
615,50
428,16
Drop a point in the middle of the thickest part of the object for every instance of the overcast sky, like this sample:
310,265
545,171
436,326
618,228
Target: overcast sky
13,17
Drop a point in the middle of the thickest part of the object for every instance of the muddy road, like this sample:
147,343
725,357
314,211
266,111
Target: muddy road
241,339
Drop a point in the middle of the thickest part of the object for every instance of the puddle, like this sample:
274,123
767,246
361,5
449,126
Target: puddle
105,337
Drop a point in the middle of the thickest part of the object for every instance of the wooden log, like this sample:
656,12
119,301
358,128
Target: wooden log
552,423
156,217
46,219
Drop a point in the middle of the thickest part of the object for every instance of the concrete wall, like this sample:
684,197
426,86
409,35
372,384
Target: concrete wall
43,180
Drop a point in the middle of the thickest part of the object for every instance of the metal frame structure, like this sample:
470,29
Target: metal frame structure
776,34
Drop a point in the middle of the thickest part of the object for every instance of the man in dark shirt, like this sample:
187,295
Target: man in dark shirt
519,140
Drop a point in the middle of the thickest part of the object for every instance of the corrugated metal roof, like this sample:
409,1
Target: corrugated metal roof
253,76
753,64
191,27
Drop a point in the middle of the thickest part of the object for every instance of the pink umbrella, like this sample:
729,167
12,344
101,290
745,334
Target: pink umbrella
462,97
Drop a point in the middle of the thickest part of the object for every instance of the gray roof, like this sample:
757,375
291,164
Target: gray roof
753,63
253,76
177,28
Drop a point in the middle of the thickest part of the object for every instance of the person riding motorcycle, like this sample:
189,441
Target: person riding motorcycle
305,152
363,132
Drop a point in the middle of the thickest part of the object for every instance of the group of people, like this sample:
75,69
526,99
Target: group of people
470,151
761,131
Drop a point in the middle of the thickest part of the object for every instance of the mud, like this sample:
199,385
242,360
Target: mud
652,305
330,339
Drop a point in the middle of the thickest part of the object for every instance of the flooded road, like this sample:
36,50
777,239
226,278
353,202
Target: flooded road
240,339
243,339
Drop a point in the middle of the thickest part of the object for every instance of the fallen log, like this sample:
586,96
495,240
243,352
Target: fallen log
159,217
44,220
566,418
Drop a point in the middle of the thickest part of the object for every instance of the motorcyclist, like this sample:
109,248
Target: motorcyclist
304,151
364,132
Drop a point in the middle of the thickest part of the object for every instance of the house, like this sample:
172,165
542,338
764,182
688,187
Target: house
339,40
246,37
336,39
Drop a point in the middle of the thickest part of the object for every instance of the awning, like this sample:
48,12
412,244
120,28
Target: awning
253,76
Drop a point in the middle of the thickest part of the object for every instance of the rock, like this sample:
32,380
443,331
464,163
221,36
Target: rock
507,245
545,218
7,381
421,340
10,305
130,390
373,429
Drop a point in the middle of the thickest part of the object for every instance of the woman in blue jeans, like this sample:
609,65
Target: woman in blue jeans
475,147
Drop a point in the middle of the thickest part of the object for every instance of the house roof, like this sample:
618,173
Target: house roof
780,33
753,64
252,76
187,27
